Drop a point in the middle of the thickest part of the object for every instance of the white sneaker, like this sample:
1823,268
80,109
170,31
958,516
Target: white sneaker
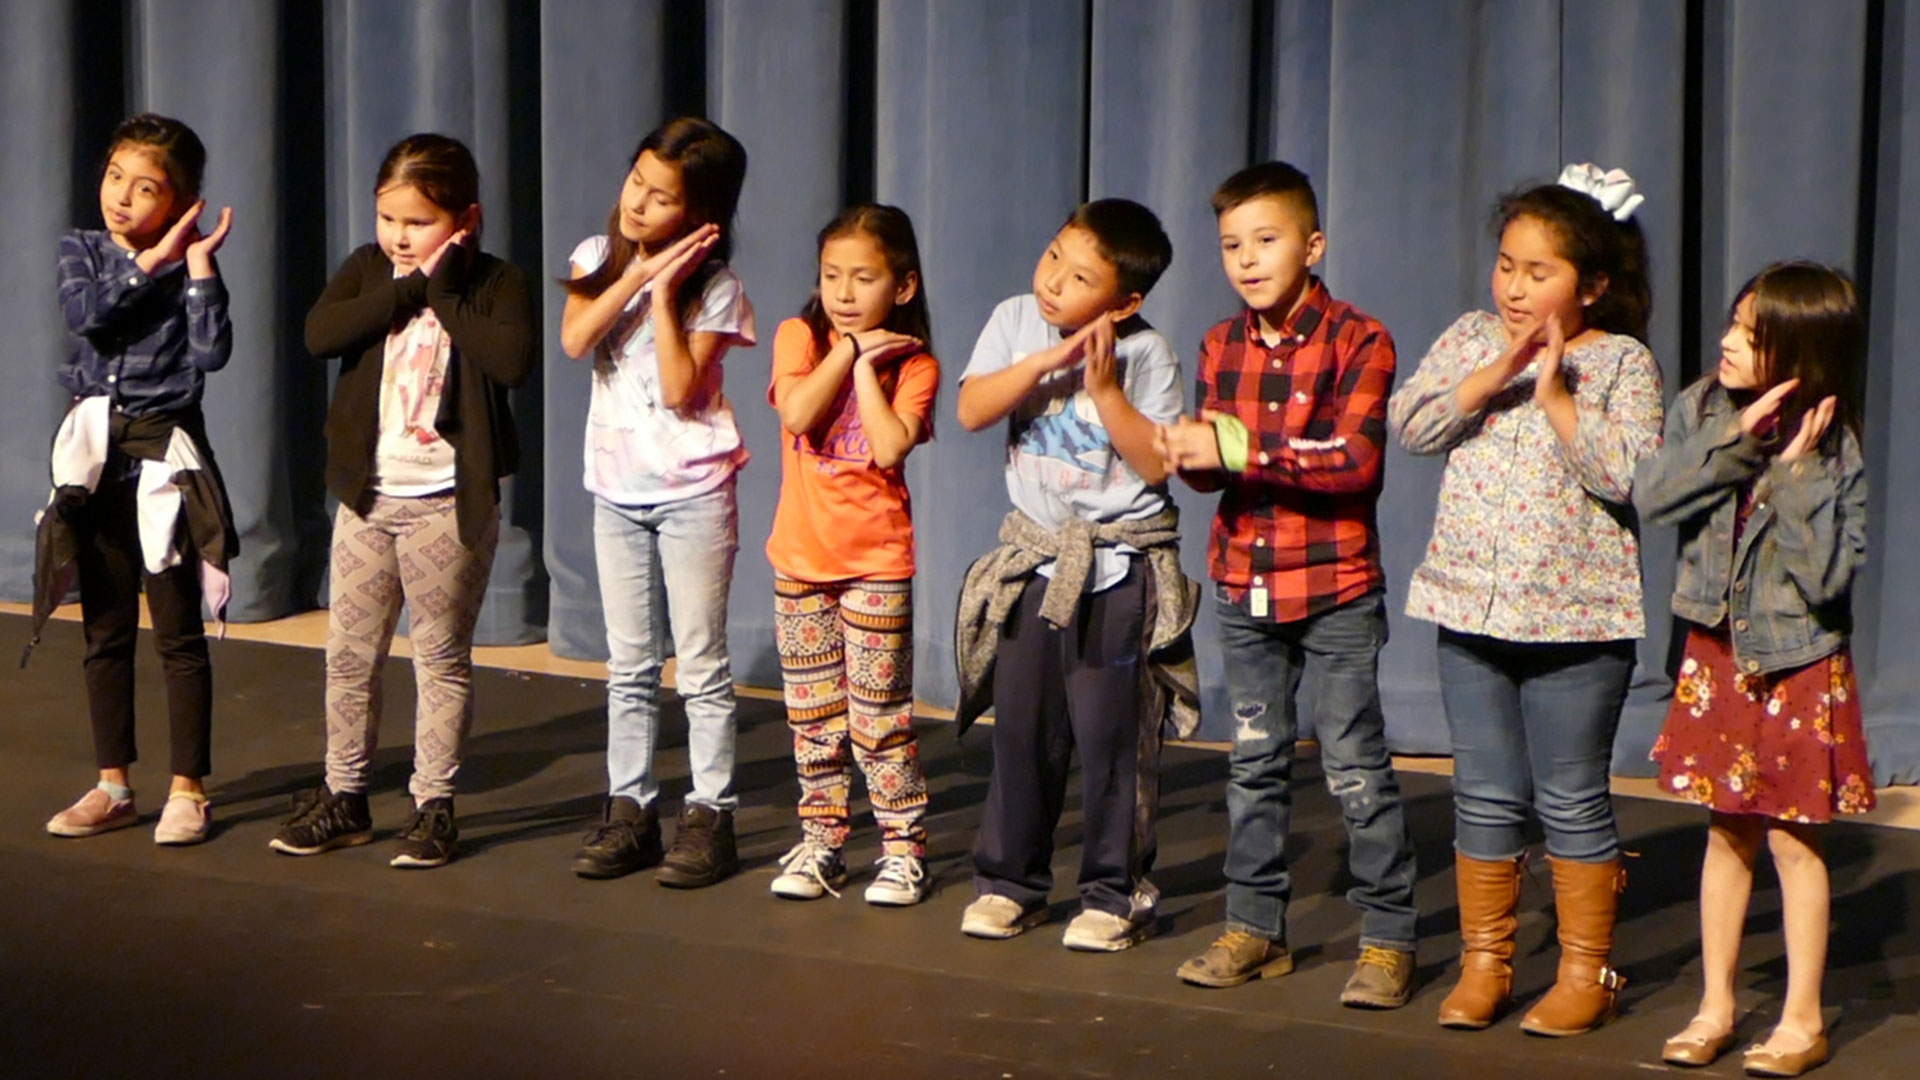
809,871
184,820
902,881
1103,931
997,917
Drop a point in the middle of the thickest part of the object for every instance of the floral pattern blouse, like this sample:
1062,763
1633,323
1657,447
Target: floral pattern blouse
1533,539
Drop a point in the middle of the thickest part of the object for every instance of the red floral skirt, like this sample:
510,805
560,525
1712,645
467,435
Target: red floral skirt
1787,745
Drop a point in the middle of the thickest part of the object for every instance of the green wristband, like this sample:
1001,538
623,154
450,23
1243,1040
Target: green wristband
1234,442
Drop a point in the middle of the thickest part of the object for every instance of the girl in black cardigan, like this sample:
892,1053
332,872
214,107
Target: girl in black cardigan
431,333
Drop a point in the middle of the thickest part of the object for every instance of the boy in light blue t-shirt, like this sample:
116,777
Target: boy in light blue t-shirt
1082,381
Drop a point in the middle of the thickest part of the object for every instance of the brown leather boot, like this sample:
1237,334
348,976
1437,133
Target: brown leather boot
1587,897
1489,894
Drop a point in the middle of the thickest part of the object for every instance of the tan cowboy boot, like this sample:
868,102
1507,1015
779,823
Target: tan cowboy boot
1489,893
1587,898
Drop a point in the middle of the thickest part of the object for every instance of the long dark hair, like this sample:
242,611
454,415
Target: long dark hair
1610,255
179,152
891,230
712,167
440,168
1807,325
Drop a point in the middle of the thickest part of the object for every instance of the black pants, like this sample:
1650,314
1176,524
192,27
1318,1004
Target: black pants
1055,690
111,573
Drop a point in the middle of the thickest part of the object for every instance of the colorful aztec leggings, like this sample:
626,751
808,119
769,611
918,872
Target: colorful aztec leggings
846,657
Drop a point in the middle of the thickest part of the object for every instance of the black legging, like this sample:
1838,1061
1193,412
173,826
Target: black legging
111,572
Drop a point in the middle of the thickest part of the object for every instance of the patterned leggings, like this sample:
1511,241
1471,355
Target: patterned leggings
846,656
404,551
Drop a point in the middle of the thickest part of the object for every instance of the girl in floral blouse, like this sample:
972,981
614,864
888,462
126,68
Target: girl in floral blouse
1762,473
1543,409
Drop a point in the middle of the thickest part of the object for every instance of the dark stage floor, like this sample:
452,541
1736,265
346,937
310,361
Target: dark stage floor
121,959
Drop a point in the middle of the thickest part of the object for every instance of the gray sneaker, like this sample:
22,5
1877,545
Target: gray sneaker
809,871
1103,931
901,882
997,917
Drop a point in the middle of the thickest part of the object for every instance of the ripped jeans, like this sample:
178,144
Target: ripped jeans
1335,654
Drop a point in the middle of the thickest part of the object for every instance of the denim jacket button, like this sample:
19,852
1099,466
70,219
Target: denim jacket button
1740,586
1740,624
1753,665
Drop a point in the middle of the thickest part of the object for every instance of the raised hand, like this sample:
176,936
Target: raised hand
1759,418
1520,351
879,348
1813,426
657,264
459,236
1551,384
172,245
1102,373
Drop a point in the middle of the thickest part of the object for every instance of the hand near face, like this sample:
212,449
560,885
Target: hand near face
1759,419
1813,426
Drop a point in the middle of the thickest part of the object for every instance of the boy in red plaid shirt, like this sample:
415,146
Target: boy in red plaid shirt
1293,397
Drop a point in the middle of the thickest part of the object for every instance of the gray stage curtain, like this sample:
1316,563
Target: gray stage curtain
1759,129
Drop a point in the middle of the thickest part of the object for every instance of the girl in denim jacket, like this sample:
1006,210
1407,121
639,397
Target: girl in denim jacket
1761,471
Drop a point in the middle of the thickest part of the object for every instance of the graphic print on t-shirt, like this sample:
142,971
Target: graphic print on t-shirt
844,437
411,383
1060,424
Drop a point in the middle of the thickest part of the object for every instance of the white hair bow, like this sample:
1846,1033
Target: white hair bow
1613,189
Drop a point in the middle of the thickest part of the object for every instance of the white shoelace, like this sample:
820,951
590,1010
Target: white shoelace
904,870
809,859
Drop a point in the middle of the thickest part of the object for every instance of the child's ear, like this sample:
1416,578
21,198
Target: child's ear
1599,290
1127,308
469,219
1316,247
909,285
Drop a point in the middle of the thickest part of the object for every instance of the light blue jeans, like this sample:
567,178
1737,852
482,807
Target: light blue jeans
682,552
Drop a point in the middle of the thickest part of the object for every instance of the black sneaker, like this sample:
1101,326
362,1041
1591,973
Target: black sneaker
323,820
429,838
627,839
703,851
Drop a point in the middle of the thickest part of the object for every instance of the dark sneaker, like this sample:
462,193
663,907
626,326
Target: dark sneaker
627,839
429,838
323,820
1237,957
703,851
1381,979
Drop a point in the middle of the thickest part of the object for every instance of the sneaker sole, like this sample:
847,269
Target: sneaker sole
998,932
1272,969
180,840
349,840
811,890
1376,1004
81,832
893,898
596,871
1107,945
680,879
409,862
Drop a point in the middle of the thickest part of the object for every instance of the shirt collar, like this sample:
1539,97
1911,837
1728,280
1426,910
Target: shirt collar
1301,324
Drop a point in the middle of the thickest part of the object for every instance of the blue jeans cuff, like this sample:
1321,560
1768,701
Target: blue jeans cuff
1385,943
1256,931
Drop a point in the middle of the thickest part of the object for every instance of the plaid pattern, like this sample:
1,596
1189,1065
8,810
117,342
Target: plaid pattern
1300,522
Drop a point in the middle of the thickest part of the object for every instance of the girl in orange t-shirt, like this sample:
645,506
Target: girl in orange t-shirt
854,387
